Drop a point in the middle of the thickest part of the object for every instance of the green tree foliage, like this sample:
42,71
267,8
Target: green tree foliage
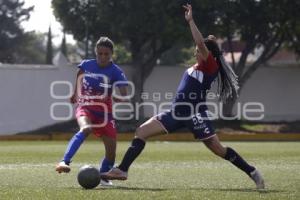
12,14
121,54
32,49
266,25
178,54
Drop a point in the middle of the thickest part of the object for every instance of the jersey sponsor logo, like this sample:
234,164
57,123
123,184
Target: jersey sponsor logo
113,123
105,85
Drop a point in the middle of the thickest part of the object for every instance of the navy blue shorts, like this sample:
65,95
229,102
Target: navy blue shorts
198,124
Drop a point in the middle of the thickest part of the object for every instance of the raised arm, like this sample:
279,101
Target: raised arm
197,36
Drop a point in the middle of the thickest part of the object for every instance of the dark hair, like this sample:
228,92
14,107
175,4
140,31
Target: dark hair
227,80
105,42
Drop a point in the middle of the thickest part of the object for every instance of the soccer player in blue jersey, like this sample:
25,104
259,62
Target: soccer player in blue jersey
95,82
190,110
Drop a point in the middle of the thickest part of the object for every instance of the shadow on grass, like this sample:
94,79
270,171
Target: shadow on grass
245,190
132,188
121,188
265,191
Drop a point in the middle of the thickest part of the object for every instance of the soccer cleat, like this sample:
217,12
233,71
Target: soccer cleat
62,167
258,179
114,174
105,182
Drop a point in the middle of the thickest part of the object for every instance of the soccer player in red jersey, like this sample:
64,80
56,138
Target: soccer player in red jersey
95,82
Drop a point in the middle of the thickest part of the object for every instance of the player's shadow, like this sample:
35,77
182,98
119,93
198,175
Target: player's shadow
244,190
132,188
121,188
166,189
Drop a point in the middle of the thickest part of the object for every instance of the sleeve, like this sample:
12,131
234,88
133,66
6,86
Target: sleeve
120,78
209,67
82,65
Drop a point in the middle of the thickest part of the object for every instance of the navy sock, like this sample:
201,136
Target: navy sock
106,165
132,153
73,146
238,161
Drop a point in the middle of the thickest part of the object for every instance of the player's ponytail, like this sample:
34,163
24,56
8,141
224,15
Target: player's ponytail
227,80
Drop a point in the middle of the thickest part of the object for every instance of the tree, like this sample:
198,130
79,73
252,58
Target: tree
121,54
63,47
12,14
265,25
32,49
49,51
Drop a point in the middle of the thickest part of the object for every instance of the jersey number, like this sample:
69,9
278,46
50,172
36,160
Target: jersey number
197,119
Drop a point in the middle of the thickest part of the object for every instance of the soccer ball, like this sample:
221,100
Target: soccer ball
88,177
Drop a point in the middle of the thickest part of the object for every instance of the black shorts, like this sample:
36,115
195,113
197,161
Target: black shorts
198,124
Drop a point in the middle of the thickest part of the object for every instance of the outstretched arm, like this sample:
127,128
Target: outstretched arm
197,36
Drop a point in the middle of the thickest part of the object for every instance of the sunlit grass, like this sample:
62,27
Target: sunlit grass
165,170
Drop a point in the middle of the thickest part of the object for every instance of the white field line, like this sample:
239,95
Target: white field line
159,165
153,165
33,166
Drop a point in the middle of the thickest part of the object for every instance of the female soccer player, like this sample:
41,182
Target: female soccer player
189,109
95,81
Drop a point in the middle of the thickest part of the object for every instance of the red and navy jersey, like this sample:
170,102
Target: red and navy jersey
97,84
194,84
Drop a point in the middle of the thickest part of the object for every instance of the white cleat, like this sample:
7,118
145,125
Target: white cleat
107,183
62,167
258,179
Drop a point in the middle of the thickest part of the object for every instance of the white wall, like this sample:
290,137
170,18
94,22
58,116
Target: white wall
26,99
278,88
25,95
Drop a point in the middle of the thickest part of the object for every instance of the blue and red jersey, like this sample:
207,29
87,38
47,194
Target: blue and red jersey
97,85
194,84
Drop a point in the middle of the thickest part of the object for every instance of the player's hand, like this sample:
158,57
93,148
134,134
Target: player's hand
212,37
73,98
119,100
188,12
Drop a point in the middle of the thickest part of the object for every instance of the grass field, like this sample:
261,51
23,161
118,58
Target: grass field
165,170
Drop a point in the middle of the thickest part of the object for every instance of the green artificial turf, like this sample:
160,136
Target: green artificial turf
165,170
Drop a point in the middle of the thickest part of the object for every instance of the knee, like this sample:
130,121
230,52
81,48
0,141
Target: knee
86,130
139,133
